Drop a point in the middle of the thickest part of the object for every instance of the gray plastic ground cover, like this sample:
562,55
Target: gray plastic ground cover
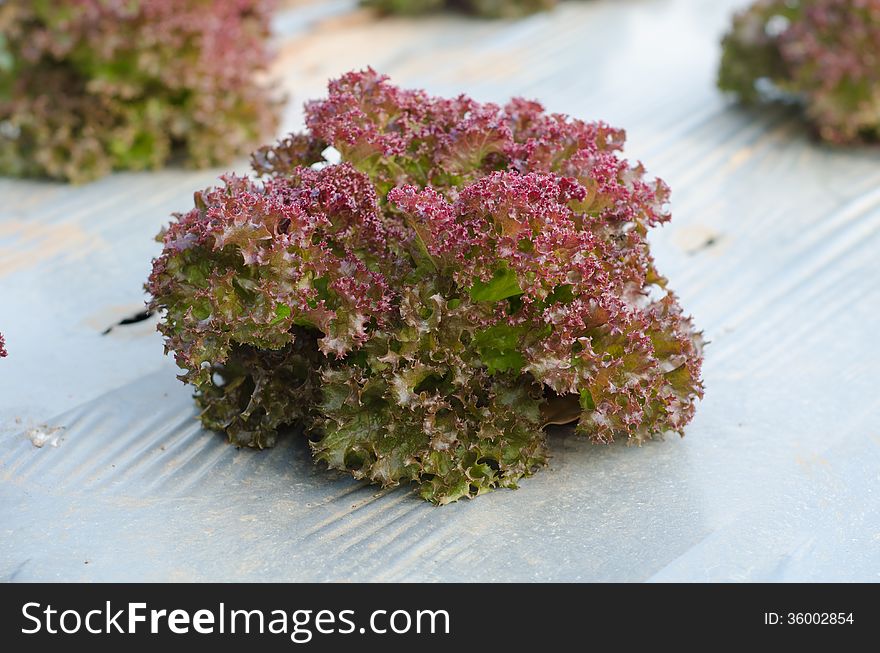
773,248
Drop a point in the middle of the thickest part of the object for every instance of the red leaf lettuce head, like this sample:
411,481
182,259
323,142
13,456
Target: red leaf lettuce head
90,86
823,53
425,306
487,8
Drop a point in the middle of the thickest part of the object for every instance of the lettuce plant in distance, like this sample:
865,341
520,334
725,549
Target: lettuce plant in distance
488,8
823,53
90,86
456,276
3,353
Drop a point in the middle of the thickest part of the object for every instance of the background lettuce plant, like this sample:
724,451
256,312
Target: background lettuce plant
90,86
3,352
823,53
424,306
489,8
